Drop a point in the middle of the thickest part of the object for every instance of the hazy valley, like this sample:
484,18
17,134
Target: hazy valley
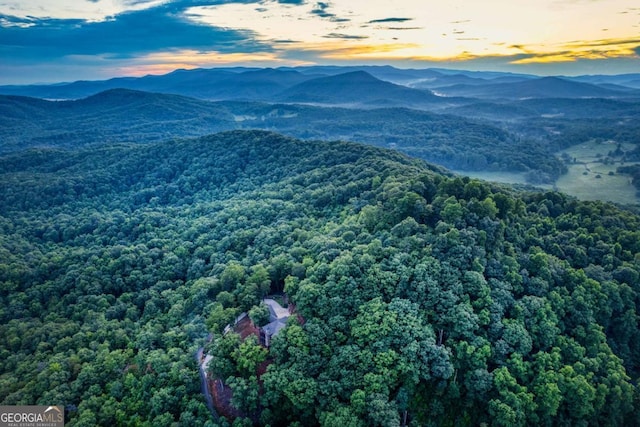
496,122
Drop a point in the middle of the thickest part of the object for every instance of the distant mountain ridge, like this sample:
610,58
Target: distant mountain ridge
115,115
545,87
355,87
278,84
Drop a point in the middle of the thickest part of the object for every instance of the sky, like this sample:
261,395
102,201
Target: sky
46,41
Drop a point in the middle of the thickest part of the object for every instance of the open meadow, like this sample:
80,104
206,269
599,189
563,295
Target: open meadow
592,173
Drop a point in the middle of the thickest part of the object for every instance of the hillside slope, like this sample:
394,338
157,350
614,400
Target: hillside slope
545,87
122,115
116,115
357,88
420,296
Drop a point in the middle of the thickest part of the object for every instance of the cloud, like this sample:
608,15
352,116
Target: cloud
391,21
286,41
603,43
131,34
160,63
344,36
404,28
125,35
131,2
321,10
338,50
14,21
387,20
605,49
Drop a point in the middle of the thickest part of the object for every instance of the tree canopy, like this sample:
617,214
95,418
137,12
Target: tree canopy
422,298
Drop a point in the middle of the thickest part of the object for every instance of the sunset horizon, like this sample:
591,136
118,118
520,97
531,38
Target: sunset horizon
101,39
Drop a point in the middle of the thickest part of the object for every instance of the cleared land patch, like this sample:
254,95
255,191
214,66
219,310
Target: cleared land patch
592,172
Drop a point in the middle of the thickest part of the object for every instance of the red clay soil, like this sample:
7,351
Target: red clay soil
222,399
245,327
262,368
222,394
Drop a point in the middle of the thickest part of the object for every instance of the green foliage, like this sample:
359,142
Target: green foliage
248,356
259,314
633,171
421,299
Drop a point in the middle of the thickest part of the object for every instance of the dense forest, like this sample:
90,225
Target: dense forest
422,298
633,171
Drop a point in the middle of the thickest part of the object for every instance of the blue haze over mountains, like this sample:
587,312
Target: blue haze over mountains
268,84
462,120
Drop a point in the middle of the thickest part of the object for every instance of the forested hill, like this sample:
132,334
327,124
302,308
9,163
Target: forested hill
117,115
122,115
176,172
421,297
357,87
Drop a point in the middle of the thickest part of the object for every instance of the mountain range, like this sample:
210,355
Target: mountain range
356,88
370,85
462,120
128,116
545,87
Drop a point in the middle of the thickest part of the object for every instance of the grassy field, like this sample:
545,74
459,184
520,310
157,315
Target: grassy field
589,178
502,177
